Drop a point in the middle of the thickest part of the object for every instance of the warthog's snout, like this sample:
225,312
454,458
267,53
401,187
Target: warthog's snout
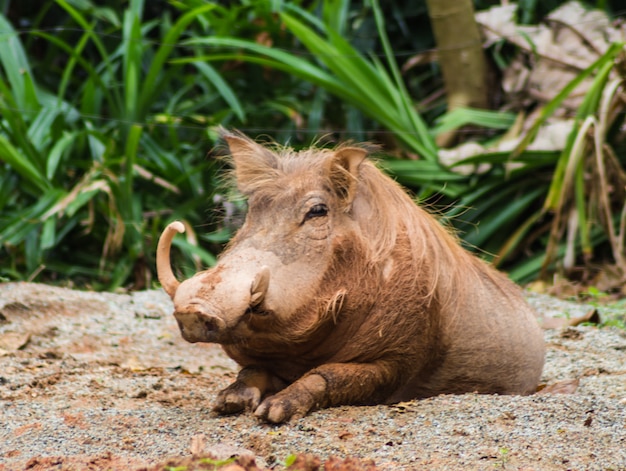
198,326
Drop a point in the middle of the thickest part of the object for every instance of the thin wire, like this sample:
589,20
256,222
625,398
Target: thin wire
404,53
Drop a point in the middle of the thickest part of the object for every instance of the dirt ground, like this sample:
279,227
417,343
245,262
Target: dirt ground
103,381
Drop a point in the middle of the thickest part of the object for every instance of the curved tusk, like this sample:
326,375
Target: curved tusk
164,268
259,286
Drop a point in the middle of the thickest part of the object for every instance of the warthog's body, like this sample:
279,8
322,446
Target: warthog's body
338,289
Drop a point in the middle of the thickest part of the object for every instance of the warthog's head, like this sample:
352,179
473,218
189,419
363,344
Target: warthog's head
298,218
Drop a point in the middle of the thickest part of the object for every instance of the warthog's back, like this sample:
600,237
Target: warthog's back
490,343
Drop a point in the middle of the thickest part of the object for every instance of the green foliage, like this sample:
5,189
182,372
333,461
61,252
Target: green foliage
612,312
580,206
344,72
93,165
501,212
107,115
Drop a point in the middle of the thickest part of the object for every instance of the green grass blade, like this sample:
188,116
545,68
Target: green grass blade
71,65
516,238
426,174
422,130
19,224
17,68
206,257
530,158
549,109
14,124
39,130
117,101
336,15
19,162
130,156
60,148
459,117
277,59
94,75
48,234
581,208
496,221
570,160
222,87
343,61
168,43
132,47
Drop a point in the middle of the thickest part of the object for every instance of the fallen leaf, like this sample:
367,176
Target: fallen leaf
408,406
571,334
14,310
133,364
591,316
12,341
568,386
197,444
570,39
345,435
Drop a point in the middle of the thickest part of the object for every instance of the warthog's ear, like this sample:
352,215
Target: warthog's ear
254,164
344,171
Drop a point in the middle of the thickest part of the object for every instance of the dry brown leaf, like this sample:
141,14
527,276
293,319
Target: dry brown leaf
570,40
591,316
609,278
133,364
12,341
568,386
197,444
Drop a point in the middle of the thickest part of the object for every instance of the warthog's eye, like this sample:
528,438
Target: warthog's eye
316,211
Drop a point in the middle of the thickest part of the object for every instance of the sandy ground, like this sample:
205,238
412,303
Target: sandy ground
102,381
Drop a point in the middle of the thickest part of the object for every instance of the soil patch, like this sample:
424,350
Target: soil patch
103,381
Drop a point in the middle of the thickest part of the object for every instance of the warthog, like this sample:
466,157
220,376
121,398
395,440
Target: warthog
338,289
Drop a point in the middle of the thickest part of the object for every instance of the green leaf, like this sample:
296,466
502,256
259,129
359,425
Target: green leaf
21,223
419,125
222,87
17,68
39,130
459,117
149,88
498,221
22,165
48,239
530,158
132,47
60,148
116,100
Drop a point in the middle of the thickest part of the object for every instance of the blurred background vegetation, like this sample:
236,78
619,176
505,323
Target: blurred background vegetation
108,112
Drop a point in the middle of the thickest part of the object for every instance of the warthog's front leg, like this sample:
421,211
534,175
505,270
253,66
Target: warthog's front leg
329,385
246,392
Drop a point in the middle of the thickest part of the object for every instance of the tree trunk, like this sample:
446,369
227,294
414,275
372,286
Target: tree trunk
460,52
